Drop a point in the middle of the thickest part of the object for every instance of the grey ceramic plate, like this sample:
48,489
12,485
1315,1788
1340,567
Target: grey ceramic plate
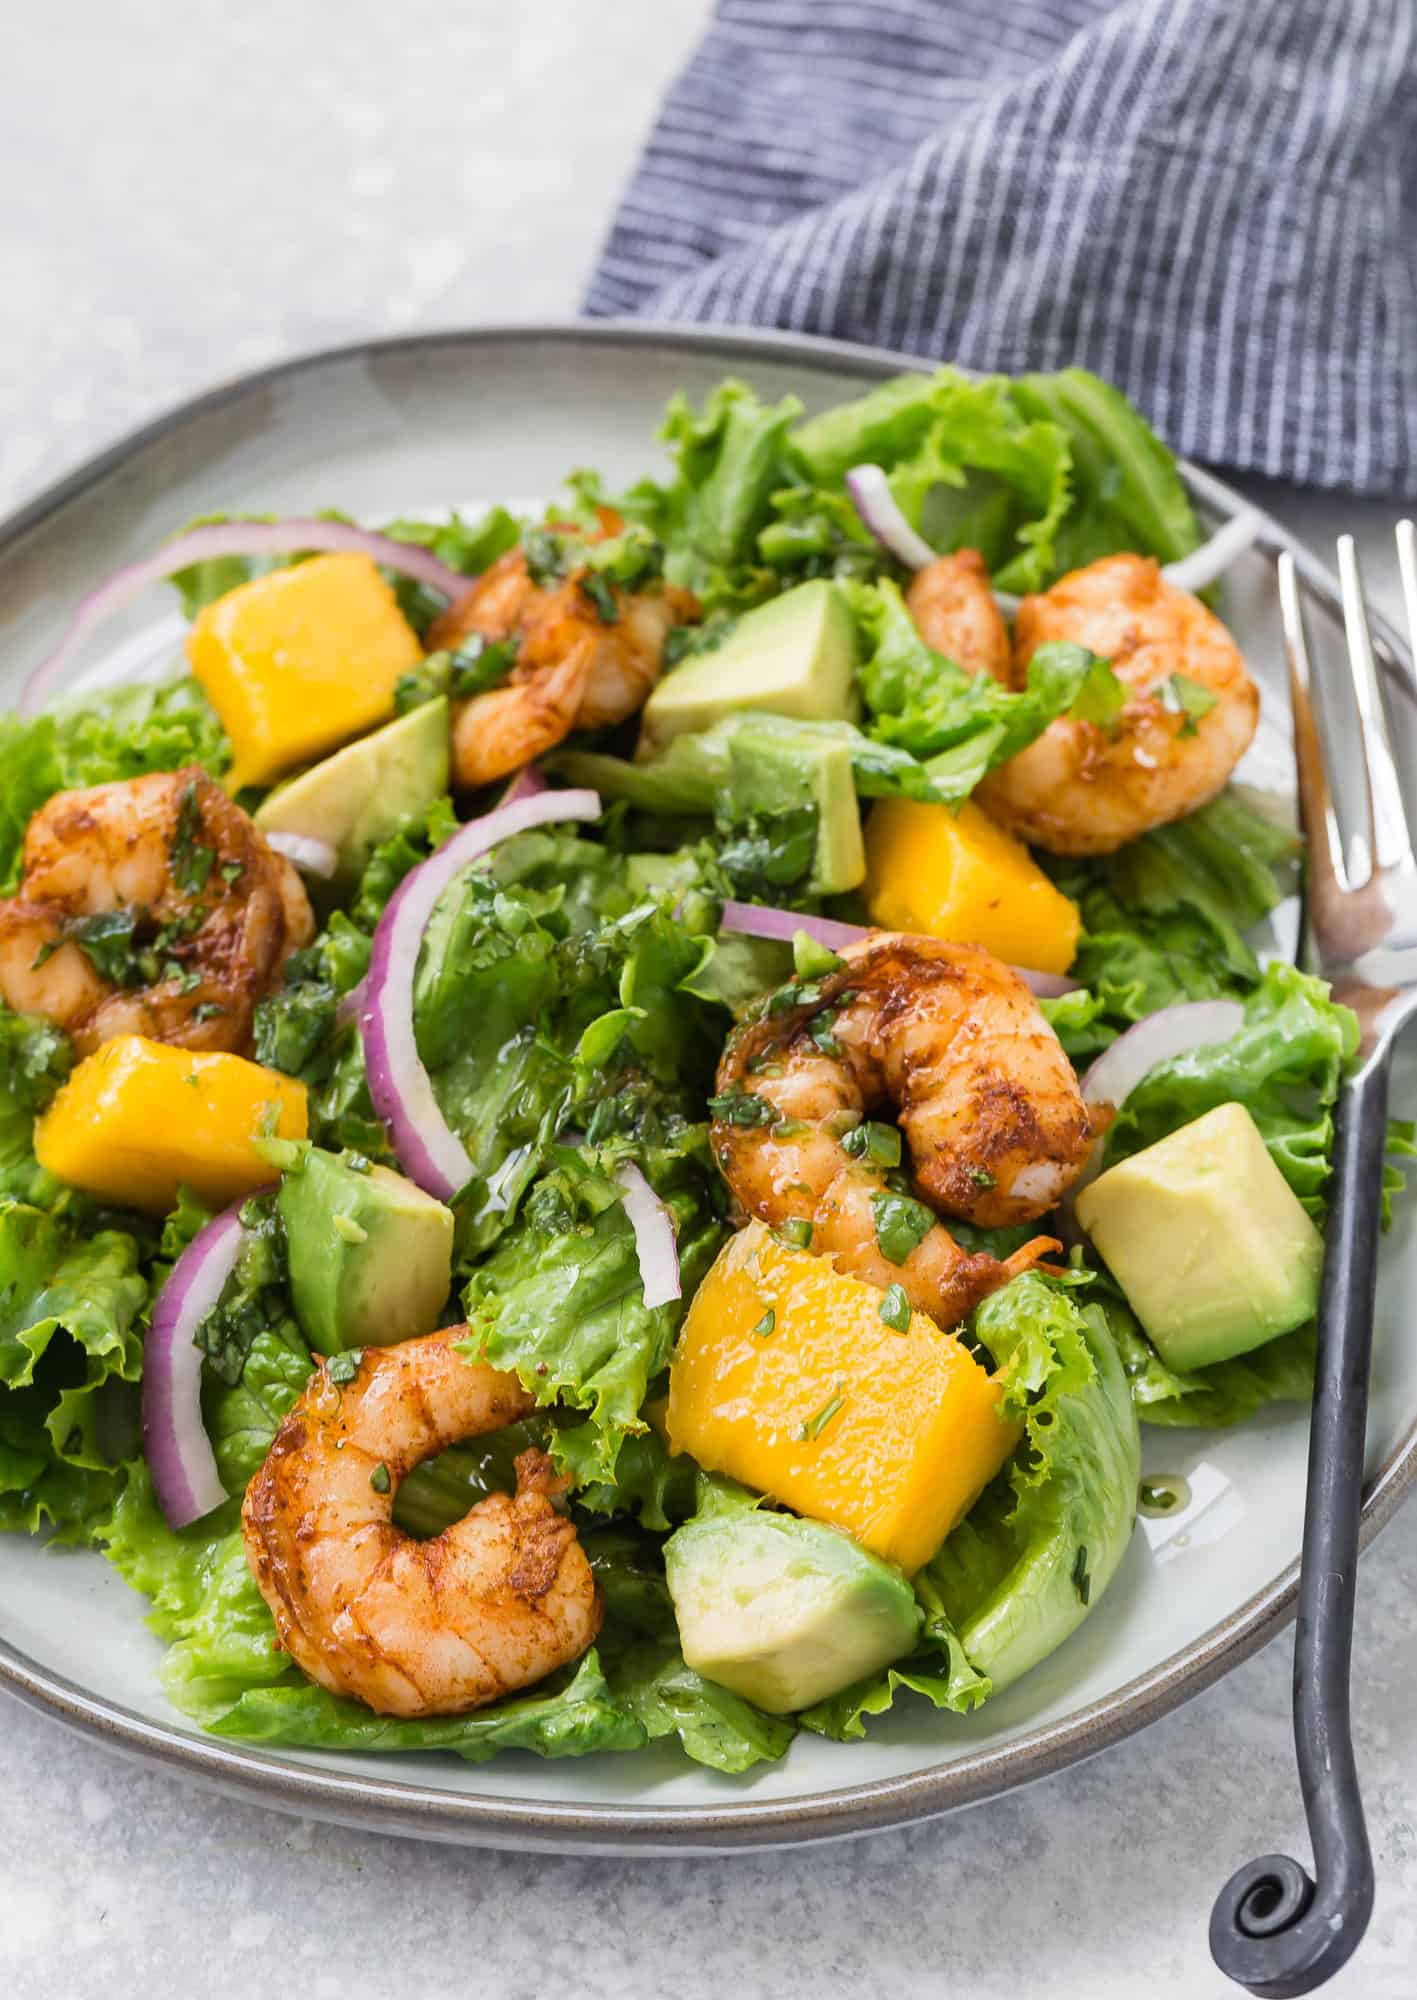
463,418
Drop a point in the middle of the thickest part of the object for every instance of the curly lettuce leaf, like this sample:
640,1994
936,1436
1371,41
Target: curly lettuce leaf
1032,1556
967,467
122,733
575,1718
1164,917
561,1301
1214,1398
730,459
714,1726
1285,1064
959,725
70,1339
1126,487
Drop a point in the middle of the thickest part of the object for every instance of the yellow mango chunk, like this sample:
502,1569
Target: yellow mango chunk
787,1379
138,1118
300,661
959,876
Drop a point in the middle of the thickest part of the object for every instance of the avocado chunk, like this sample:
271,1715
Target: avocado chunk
371,1255
795,655
772,768
366,792
1207,1240
784,1611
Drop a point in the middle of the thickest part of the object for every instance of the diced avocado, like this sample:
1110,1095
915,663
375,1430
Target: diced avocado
364,793
1207,1239
784,1611
772,769
795,655
371,1255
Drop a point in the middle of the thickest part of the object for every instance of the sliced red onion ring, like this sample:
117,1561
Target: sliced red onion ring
234,538
1171,1032
752,920
175,1442
429,1151
871,496
350,1004
310,856
655,1243
525,785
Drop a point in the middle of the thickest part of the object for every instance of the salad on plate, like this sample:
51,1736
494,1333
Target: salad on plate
610,1119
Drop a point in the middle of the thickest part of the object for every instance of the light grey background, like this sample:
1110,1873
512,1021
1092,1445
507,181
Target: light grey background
189,191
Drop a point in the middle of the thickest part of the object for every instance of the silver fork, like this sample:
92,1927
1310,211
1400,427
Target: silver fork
1274,1928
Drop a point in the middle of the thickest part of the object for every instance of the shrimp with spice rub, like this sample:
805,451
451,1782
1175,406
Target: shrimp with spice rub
987,1100
1191,707
494,1603
578,666
150,906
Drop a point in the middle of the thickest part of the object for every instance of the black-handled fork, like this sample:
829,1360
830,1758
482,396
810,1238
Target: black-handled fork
1274,1928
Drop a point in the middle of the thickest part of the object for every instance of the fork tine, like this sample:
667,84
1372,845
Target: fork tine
1326,860
1407,569
1389,843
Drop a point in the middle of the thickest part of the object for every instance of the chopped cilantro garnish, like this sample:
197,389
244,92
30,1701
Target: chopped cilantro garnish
810,1431
879,1144
341,1369
595,589
766,1324
191,862
982,1178
1180,695
895,1308
813,960
1082,1579
742,1107
379,1478
1100,698
796,1231
901,1224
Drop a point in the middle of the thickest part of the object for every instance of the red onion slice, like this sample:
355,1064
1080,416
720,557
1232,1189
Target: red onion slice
655,1243
429,1151
234,538
175,1442
753,920
1171,1032
525,785
310,856
871,496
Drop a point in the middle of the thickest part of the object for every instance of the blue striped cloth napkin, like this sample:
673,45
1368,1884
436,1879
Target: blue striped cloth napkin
1211,202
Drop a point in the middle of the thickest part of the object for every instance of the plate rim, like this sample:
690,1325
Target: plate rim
399,1806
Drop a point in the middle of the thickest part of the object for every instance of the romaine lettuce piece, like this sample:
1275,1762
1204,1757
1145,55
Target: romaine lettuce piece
70,1349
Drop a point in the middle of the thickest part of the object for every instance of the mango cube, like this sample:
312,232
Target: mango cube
957,875
787,1379
139,1118
300,661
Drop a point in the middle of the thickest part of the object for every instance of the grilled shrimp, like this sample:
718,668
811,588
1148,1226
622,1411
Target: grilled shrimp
213,913
495,1602
573,670
953,1039
1082,790
954,611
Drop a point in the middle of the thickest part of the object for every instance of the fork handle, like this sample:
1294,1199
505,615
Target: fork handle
1274,1929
